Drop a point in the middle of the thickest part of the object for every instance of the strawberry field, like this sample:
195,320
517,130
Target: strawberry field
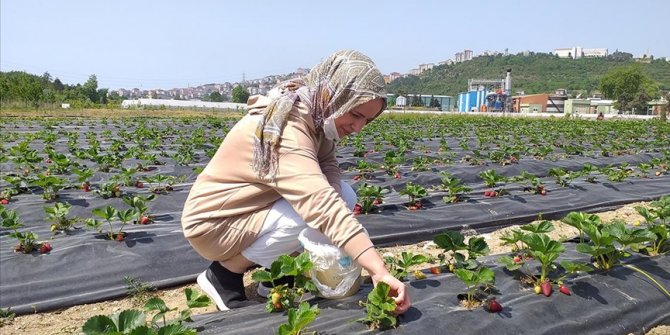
89,202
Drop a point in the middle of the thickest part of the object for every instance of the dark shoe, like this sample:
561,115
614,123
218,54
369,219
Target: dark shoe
224,287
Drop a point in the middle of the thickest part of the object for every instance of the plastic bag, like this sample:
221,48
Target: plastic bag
334,273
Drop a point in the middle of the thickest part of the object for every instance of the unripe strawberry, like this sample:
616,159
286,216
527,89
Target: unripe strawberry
538,289
276,298
419,275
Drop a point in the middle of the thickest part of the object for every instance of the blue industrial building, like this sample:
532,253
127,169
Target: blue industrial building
472,101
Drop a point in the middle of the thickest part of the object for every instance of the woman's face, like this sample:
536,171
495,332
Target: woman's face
358,117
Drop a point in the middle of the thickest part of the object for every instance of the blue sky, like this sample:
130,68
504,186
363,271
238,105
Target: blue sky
165,44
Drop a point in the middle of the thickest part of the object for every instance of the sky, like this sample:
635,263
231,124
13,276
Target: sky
172,44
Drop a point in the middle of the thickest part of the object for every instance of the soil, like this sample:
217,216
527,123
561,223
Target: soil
70,320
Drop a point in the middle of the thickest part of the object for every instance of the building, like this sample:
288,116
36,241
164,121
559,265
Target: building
540,103
472,101
425,67
578,106
445,101
654,107
579,52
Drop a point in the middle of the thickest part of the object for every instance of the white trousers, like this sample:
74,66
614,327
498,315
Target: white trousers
279,234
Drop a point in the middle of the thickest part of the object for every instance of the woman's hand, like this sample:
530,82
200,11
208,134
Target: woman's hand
398,292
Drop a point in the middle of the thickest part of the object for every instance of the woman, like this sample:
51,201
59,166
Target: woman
275,173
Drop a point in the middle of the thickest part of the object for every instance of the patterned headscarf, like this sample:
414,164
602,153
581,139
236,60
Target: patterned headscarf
343,81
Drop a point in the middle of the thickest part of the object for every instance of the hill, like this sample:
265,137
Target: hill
536,73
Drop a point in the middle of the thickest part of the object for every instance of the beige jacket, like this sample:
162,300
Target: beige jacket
227,204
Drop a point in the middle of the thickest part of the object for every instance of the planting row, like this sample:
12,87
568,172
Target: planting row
539,264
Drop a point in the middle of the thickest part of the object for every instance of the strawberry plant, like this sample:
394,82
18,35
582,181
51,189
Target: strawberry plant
163,183
545,251
611,242
453,248
563,177
455,190
588,170
50,186
492,179
369,197
414,192
399,267
379,308
392,159
283,297
125,176
478,282
138,203
83,176
533,185
298,319
11,221
58,215
109,214
60,163
109,190
135,322
659,210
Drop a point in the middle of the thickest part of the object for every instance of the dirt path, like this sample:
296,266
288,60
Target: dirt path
70,320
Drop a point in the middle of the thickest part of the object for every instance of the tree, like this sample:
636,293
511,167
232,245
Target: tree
215,97
58,85
416,101
630,86
90,88
240,94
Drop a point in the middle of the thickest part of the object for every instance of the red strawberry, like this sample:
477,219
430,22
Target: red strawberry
46,247
564,289
487,193
435,270
86,187
397,175
145,220
546,288
139,184
48,161
377,201
4,201
543,192
412,207
517,259
119,237
493,306
357,177
418,205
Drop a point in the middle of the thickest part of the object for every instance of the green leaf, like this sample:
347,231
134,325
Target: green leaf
129,319
99,324
261,276
477,246
450,240
540,227
194,299
156,304
142,330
